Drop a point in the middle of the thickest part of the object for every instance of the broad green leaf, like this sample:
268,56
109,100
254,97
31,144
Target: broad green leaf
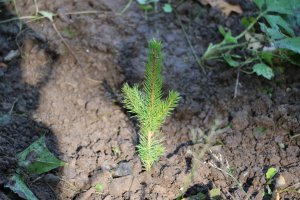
259,3
292,44
47,14
280,6
222,30
264,70
271,173
227,35
229,38
143,2
267,57
278,22
273,33
17,185
231,62
5,119
37,158
167,8
294,20
295,4
297,19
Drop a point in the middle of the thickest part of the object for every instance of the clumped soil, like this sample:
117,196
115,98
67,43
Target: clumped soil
74,99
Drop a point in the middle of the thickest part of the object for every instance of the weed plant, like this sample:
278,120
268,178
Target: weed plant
268,40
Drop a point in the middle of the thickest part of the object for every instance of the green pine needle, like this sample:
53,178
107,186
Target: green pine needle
149,107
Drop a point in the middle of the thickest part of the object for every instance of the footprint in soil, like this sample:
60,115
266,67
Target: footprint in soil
18,102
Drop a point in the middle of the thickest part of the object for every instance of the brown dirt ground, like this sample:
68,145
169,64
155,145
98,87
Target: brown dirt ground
77,104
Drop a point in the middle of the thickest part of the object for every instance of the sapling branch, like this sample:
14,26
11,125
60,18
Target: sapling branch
149,108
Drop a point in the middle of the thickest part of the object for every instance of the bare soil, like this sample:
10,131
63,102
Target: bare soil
74,99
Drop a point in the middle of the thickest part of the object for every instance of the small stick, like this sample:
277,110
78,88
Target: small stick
236,83
12,107
125,8
65,43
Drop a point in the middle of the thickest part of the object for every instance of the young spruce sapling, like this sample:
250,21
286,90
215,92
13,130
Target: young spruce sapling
149,107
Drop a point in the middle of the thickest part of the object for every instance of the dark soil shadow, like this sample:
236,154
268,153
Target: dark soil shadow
193,191
18,102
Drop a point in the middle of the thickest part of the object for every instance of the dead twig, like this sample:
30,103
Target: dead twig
237,83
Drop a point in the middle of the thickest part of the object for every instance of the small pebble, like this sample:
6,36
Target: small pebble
280,182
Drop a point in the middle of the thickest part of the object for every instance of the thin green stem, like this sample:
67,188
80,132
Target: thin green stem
12,107
250,26
246,72
212,50
233,46
16,8
81,12
294,136
18,18
125,8
289,190
36,7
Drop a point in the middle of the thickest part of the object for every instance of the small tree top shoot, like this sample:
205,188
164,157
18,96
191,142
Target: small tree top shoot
149,107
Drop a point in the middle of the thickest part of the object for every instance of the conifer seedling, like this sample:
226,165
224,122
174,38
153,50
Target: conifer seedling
149,107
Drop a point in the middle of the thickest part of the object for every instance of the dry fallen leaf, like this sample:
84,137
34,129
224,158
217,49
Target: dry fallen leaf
225,7
280,182
254,40
3,65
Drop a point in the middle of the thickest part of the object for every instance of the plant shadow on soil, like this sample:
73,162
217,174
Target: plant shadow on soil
18,102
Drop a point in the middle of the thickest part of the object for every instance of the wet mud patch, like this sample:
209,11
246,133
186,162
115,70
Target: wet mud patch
80,104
